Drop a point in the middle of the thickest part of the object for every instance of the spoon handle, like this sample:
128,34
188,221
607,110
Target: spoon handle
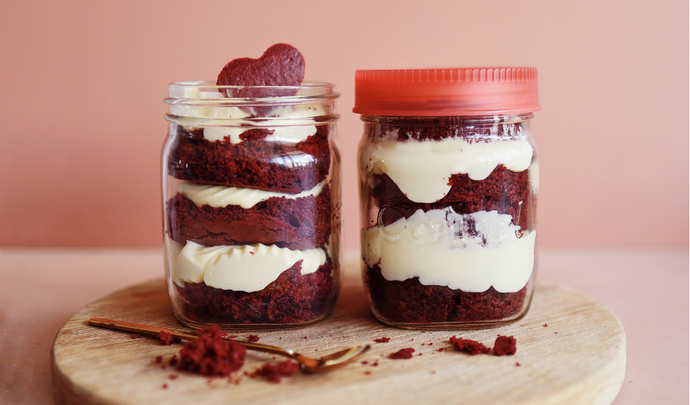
155,332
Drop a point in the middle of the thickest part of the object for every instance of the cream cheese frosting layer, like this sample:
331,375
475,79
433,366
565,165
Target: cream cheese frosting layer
246,268
422,169
283,134
440,248
288,123
221,196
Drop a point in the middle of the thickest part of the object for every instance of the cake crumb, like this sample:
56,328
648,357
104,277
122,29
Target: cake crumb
505,345
382,340
166,338
253,338
402,354
275,372
468,346
210,355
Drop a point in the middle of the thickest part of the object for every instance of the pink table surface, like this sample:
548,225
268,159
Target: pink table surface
648,290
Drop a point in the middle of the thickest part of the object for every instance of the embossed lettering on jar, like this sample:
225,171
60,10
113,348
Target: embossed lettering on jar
448,183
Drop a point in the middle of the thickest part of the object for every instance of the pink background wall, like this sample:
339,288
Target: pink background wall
83,84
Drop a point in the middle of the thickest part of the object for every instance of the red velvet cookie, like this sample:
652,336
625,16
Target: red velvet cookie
280,65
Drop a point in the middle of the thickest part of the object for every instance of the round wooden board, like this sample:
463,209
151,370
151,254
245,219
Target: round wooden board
579,358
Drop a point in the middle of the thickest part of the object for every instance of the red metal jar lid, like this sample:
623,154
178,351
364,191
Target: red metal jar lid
446,92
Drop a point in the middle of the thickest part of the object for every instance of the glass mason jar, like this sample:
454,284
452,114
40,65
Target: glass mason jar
448,186
251,202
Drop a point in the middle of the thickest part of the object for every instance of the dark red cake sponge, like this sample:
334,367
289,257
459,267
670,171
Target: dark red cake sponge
468,346
211,355
280,65
505,345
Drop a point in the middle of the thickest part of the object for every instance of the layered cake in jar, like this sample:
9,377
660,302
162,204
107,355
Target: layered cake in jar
448,185
251,203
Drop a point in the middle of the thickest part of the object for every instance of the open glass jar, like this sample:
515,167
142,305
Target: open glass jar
251,202
448,186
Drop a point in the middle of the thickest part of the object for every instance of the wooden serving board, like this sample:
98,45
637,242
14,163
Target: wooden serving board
579,358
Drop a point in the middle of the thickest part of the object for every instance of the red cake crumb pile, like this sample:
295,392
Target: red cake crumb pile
402,354
253,338
470,347
275,372
166,338
505,345
134,336
382,340
174,360
211,355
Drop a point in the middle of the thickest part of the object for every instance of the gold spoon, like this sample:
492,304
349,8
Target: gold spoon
307,364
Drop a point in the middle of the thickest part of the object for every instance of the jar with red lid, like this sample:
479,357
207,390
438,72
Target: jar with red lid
448,184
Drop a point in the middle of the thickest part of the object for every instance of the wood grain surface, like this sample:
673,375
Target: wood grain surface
570,350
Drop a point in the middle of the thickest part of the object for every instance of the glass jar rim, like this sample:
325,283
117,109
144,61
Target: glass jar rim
206,91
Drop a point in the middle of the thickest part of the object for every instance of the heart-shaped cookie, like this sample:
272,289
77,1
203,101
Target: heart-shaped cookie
280,65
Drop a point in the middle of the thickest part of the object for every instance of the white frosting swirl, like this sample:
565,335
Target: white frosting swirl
422,169
221,196
437,247
246,268
221,122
